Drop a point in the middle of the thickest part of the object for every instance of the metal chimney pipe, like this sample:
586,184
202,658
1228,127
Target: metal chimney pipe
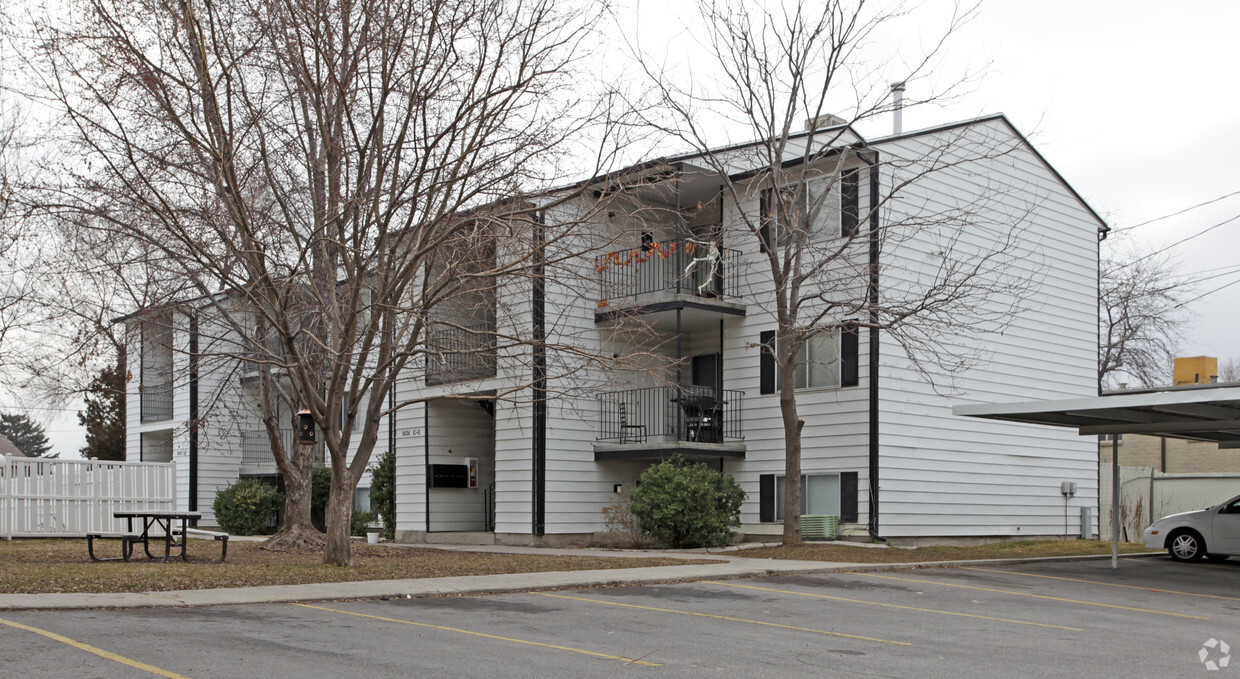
897,106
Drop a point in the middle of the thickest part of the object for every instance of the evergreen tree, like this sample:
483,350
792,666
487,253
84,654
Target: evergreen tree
104,418
25,433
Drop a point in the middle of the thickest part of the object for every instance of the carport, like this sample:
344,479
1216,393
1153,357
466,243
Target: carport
1209,412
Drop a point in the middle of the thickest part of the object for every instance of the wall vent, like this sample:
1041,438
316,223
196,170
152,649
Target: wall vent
820,526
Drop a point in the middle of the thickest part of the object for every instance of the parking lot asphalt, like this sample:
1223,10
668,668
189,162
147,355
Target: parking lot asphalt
1151,617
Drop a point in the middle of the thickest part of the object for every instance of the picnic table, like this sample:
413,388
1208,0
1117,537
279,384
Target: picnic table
157,527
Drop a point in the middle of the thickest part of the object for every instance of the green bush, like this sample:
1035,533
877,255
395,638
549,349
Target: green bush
383,492
320,491
682,504
359,523
247,507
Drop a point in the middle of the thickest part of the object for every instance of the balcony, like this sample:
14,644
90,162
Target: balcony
156,402
256,450
655,422
456,354
674,274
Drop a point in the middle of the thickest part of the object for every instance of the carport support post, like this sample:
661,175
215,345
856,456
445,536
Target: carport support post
1114,501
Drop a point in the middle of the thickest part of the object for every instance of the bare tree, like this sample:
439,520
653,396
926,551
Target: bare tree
314,175
1141,318
819,243
19,250
1229,370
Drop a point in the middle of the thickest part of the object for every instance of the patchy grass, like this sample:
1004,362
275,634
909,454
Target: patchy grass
45,565
1016,549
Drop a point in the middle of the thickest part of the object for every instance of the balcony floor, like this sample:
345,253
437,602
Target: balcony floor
659,309
660,450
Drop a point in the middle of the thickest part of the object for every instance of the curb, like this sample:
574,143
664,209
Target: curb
484,584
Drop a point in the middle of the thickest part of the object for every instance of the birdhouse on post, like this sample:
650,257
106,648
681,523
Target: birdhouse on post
305,427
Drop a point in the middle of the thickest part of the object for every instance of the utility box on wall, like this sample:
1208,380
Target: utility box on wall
471,463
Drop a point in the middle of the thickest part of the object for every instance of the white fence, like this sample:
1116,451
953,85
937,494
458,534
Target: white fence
1147,495
41,497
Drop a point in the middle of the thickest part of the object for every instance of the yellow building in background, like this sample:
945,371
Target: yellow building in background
1177,455
1195,370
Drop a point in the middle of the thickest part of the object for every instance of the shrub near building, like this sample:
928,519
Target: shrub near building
247,507
684,505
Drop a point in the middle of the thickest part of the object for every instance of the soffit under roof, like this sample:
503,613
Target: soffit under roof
1200,413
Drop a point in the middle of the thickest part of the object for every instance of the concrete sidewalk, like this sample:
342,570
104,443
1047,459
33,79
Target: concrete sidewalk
726,565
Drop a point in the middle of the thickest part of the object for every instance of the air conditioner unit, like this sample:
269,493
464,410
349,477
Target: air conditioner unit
820,526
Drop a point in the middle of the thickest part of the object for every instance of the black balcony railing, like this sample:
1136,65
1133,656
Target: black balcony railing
256,449
156,402
456,354
688,267
660,414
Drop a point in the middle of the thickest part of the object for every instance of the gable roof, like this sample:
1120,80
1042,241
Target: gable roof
8,449
1103,228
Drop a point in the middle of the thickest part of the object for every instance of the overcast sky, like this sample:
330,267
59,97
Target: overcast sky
1133,102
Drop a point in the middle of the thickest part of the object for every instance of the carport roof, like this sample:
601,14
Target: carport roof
1208,412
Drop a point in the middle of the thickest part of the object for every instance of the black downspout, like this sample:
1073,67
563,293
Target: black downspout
391,439
193,414
539,359
873,319
426,464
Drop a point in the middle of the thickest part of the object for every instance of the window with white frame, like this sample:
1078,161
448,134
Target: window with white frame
781,213
823,493
828,359
820,494
818,362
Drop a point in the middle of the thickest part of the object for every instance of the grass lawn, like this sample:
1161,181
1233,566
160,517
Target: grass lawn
50,565
1019,549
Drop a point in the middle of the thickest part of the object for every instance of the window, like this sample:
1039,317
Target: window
850,208
833,494
781,216
820,494
1111,437
839,213
824,360
818,362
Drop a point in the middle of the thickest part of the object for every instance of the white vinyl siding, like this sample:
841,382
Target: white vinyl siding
943,475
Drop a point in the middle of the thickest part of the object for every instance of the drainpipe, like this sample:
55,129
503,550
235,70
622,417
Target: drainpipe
539,391
193,414
872,302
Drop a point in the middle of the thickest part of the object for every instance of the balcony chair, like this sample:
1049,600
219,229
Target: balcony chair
625,426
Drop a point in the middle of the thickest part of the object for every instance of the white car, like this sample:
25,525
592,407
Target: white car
1213,533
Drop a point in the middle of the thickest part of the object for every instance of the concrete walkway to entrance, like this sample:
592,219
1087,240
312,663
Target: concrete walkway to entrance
726,565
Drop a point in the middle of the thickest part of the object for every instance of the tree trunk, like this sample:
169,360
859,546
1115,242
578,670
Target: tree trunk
792,455
339,518
297,531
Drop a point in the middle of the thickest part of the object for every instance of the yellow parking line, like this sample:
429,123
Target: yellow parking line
633,661
97,651
878,603
1036,596
1108,584
723,617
